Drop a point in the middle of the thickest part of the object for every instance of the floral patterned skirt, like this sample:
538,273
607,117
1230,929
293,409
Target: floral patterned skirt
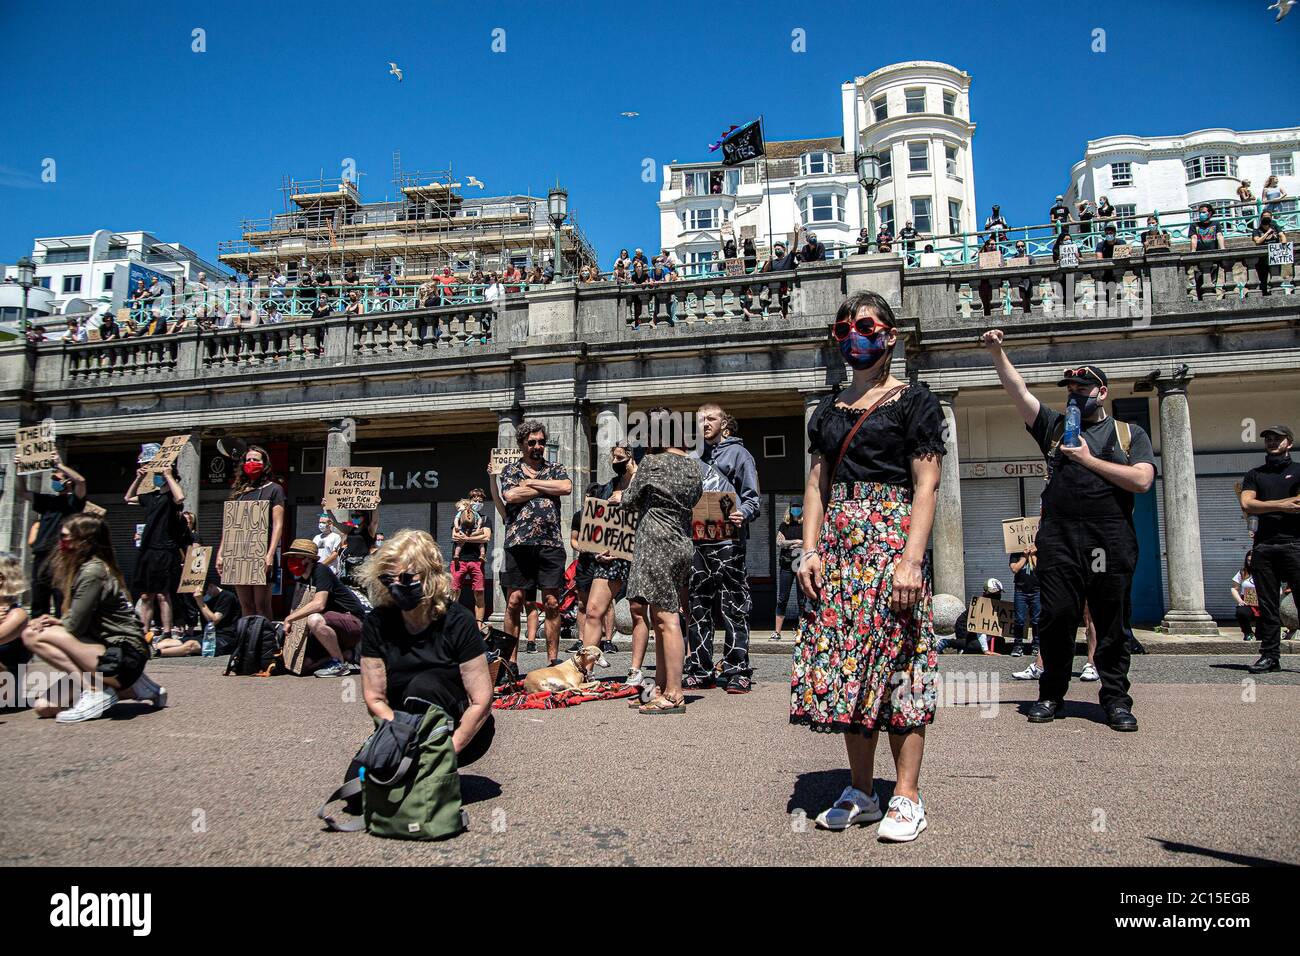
858,666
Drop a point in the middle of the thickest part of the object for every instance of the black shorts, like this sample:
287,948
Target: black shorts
123,662
532,566
157,571
13,655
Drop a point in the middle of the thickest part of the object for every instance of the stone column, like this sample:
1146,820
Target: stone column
611,421
1186,614
947,544
338,448
187,469
506,421
811,399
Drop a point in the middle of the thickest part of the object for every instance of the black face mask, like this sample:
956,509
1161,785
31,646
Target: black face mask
1279,458
620,467
407,597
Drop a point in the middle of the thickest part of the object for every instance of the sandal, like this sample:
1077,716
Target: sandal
663,704
636,702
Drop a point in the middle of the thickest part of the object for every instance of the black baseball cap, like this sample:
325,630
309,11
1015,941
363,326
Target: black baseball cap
1084,375
1283,430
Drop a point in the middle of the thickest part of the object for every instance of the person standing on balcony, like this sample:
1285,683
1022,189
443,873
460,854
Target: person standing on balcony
885,239
158,563
640,277
908,236
1206,235
1266,232
493,289
719,568
995,225
1086,215
812,251
276,286
255,482
1105,211
1086,542
1272,195
320,309
623,268
1154,234
1245,197
1059,216
1272,491
779,262
448,282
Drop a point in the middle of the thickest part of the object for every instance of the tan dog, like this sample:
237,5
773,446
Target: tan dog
574,673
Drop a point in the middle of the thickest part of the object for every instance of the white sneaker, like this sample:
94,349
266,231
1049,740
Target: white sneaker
146,688
1089,673
853,807
634,677
776,635
91,704
907,822
1032,672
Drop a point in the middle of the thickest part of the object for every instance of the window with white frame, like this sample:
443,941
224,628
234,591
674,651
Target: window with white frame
918,157
471,212
698,258
886,213
949,103
730,181
695,183
1203,167
950,160
954,217
880,109
1281,165
700,218
72,284
886,163
1121,174
823,207
921,215
1126,216
811,164
915,99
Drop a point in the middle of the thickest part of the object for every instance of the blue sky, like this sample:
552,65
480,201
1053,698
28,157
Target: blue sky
148,134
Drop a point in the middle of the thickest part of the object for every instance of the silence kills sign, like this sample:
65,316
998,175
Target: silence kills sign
743,145
1018,534
606,527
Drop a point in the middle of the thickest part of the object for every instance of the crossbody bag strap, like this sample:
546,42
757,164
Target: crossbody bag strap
844,447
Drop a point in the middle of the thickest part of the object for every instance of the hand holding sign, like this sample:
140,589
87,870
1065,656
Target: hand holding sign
501,457
1018,534
606,528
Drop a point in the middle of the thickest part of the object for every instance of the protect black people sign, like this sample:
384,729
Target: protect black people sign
988,616
36,451
606,527
245,534
709,521
352,489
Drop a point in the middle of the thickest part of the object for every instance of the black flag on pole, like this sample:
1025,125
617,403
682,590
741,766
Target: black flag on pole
744,144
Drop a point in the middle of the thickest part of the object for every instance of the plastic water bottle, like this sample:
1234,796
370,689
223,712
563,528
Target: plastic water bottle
209,640
1072,419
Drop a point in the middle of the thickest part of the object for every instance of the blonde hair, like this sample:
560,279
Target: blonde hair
463,507
12,581
411,550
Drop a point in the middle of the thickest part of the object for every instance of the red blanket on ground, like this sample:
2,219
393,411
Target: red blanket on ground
514,697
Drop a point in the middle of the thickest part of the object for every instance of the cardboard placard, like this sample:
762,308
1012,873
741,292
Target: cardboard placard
194,571
991,260
1122,250
92,335
1250,596
987,616
1281,254
36,450
1018,533
735,267
501,457
1069,255
709,517
352,489
1015,262
1156,244
294,652
94,510
171,449
606,527
245,534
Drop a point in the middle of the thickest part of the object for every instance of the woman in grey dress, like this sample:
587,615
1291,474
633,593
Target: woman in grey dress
666,487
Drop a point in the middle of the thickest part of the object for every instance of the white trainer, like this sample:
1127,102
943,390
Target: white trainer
90,705
1089,673
146,688
634,677
904,822
852,808
1032,672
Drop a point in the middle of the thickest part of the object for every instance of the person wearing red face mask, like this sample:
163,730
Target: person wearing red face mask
254,483
333,614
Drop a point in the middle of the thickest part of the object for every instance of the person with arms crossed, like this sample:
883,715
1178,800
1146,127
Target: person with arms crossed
1272,491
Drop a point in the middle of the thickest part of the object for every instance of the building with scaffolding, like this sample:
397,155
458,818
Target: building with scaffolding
325,226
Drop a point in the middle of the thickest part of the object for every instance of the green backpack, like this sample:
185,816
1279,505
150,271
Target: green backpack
405,776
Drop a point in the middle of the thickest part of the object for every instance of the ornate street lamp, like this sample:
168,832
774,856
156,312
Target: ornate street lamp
26,279
868,166
557,207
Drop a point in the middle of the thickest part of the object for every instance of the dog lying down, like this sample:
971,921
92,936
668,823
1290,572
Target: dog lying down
574,673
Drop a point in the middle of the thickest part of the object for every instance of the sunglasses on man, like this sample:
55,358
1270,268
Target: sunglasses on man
867,325
536,444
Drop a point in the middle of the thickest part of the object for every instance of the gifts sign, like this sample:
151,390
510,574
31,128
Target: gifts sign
167,454
1018,534
709,520
987,616
36,451
194,572
352,489
245,534
606,527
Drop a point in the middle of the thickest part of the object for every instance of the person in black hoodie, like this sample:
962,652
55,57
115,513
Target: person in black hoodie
813,250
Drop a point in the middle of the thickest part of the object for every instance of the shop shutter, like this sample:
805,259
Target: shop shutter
1224,541
762,533
122,519
393,518
985,503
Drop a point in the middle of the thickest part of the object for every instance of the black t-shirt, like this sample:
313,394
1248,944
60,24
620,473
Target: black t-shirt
425,665
53,509
225,603
1075,491
1270,483
271,492
791,531
340,598
164,528
1060,213
908,427
360,539
1026,577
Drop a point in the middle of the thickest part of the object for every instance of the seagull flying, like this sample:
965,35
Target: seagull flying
392,68
1283,7
473,181
629,114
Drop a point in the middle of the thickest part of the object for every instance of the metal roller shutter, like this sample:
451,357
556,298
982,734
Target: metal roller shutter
762,535
122,520
985,503
1033,496
393,518
1224,540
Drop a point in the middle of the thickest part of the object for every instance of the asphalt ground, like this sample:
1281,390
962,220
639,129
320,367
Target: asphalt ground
233,771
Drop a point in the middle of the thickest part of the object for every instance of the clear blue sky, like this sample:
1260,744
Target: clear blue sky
147,134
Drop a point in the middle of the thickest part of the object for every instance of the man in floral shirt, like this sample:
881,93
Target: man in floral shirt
534,548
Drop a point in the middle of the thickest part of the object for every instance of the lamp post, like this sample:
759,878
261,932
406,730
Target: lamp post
868,166
557,207
26,279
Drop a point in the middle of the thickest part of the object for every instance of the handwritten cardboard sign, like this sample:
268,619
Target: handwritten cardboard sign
1122,251
709,517
1017,262
36,451
987,616
1281,254
194,571
245,534
500,458
1018,533
606,527
171,449
94,510
991,260
1069,255
352,489
735,267
294,652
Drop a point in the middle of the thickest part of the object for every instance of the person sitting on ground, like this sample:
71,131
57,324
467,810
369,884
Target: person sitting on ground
1243,590
419,647
13,617
333,614
961,635
98,634
220,608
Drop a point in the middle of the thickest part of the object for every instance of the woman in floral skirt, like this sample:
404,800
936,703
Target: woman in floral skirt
865,658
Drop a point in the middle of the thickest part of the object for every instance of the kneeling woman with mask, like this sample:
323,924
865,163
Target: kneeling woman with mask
419,647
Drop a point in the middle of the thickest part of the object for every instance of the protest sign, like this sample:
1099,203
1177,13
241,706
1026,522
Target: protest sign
709,517
987,616
352,489
1122,251
990,260
735,267
171,449
245,534
1018,534
606,527
500,458
36,451
1016,262
294,652
1281,254
1069,255
194,572
94,510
